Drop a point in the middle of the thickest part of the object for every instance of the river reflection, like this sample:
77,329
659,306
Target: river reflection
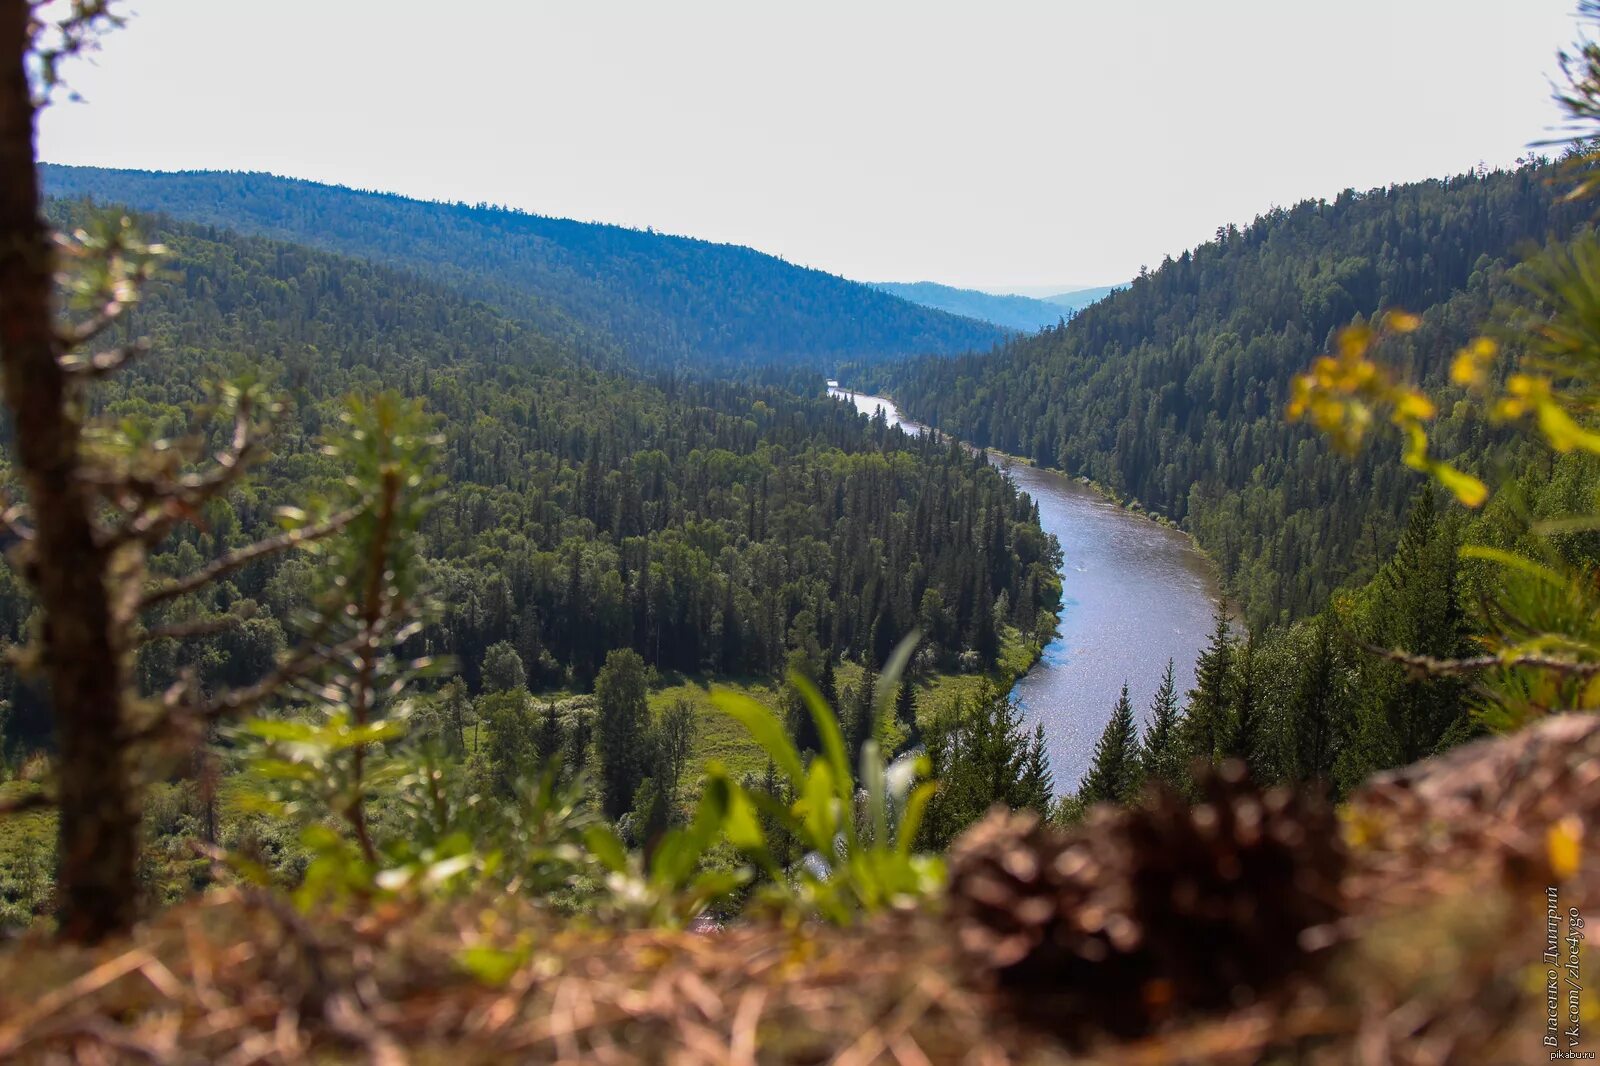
1134,595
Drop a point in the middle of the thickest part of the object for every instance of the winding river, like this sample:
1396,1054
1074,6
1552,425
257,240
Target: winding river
1134,594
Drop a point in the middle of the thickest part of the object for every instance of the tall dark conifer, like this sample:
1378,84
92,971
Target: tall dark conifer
1205,718
1162,757
1114,774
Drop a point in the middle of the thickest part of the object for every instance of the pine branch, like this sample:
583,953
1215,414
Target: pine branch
188,630
101,364
1429,666
244,556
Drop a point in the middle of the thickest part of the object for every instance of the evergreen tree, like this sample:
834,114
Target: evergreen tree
1314,712
862,725
1246,734
1205,718
985,637
1114,775
1162,757
980,756
1037,788
510,752
623,724
828,682
905,710
548,740
456,705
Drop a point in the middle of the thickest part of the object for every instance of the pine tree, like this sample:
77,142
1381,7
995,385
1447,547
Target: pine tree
1314,710
905,711
547,741
623,723
1037,789
828,683
1162,756
1246,740
863,721
803,727
1113,776
1418,613
1205,717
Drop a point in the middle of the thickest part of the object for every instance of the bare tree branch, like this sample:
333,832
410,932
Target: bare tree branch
204,627
32,801
1428,666
248,554
101,364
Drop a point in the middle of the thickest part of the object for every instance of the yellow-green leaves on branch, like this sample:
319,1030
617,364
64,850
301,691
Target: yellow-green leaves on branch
1346,393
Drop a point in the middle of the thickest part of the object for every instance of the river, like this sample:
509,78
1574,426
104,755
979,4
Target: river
1134,594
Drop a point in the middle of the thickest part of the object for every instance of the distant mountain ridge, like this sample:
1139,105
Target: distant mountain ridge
612,292
1078,299
1025,314
1021,313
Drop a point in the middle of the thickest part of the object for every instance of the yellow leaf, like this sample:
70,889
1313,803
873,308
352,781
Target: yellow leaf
1402,321
1563,847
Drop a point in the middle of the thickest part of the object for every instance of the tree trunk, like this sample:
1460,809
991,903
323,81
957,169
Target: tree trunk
99,823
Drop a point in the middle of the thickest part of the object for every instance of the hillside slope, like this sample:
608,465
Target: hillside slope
652,298
1172,391
710,526
1021,313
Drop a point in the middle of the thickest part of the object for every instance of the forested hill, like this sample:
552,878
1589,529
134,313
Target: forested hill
656,299
710,526
1172,391
1021,313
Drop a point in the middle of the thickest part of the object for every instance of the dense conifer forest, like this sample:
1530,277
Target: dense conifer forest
613,293
713,528
1171,392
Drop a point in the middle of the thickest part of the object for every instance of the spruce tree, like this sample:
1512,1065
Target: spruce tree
1037,788
1315,708
905,711
547,741
1113,777
1205,717
863,721
1246,736
1418,612
1162,756
624,718
828,683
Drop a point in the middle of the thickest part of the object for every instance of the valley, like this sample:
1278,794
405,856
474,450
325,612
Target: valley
1135,593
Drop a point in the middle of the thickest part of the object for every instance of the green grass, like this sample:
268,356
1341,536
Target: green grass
27,858
719,738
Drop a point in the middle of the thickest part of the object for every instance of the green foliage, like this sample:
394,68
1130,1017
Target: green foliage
623,728
1115,774
710,526
981,755
1163,757
860,845
1205,720
502,669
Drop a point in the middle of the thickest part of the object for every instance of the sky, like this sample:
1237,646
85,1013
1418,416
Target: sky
996,144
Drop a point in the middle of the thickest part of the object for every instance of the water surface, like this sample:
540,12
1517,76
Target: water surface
1134,594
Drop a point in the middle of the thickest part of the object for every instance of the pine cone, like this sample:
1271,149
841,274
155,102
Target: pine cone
1145,911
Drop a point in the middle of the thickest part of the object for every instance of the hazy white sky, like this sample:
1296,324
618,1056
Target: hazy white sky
992,143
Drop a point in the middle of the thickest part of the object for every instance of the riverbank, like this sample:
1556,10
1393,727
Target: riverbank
1136,593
